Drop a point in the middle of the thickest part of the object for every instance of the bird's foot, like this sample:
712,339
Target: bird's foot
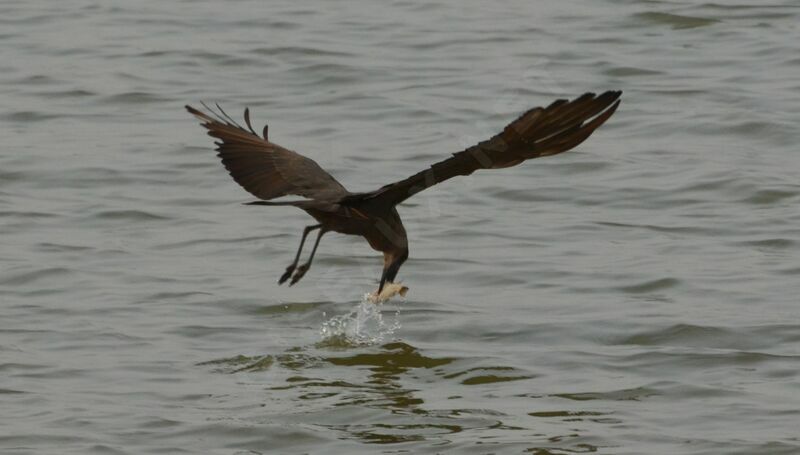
299,274
287,273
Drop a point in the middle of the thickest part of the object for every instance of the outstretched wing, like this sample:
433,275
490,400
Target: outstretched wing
538,132
263,168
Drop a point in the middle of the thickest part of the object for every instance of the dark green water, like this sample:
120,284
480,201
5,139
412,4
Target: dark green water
636,296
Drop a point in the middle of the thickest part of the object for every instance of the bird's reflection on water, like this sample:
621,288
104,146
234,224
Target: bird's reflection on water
370,400
363,389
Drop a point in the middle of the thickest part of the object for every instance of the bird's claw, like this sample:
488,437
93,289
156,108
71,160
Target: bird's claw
299,274
286,274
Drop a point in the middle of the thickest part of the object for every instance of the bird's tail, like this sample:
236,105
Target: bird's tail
302,204
292,203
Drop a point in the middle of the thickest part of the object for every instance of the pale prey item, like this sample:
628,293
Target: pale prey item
389,290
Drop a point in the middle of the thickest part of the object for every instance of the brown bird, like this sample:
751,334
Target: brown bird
268,171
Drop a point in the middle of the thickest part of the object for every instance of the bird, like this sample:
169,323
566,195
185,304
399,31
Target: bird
268,171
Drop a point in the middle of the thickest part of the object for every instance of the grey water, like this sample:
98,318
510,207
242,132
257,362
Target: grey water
638,295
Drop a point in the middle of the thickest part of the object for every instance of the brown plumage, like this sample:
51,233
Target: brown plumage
268,171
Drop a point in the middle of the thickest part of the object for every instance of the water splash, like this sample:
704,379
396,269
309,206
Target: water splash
363,325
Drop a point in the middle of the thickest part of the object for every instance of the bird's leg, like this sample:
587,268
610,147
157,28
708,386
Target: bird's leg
292,266
304,268
383,281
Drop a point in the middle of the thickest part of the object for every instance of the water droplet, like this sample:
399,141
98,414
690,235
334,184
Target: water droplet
362,325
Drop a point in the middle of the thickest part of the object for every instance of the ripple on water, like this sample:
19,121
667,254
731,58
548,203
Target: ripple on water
37,79
28,116
686,335
135,98
35,275
27,215
714,337
273,51
627,71
74,93
240,363
128,215
489,375
293,307
770,244
650,286
632,394
676,21
767,197
11,391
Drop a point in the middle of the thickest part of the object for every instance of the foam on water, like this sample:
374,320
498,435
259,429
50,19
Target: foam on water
363,325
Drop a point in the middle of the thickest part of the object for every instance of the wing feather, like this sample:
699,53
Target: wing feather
554,129
264,168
